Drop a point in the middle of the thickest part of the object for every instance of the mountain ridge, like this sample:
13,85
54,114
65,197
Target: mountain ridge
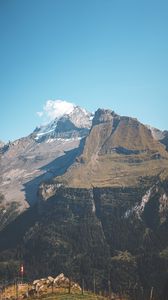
115,148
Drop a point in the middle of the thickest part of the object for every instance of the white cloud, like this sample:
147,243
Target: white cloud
40,113
55,109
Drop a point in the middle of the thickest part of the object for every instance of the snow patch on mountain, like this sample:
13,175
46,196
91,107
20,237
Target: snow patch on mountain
70,122
63,140
40,134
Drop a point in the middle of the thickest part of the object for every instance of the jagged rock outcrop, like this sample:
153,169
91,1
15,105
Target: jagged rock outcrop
104,116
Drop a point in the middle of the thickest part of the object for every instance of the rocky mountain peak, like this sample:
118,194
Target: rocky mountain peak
103,116
156,133
80,117
116,152
74,124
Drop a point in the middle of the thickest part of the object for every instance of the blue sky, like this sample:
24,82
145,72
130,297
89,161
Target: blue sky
95,53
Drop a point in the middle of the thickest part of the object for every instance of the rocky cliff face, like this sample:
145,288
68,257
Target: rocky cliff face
114,234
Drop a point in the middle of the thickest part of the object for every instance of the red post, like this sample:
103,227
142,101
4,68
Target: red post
21,272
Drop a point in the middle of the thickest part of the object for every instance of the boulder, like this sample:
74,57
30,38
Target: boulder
36,281
51,279
59,281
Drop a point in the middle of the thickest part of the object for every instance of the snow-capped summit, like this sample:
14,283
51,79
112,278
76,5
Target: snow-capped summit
74,123
79,117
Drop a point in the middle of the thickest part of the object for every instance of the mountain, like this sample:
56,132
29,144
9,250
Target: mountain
103,216
119,151
26,162
72,125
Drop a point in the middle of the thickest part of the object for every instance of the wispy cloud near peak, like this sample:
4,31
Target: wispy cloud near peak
55,109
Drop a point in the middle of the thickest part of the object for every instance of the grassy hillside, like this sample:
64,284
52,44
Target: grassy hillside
86,296
58,294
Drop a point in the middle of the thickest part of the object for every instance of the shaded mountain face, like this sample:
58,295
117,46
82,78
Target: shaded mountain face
164,140
45,153
103,215
161,136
